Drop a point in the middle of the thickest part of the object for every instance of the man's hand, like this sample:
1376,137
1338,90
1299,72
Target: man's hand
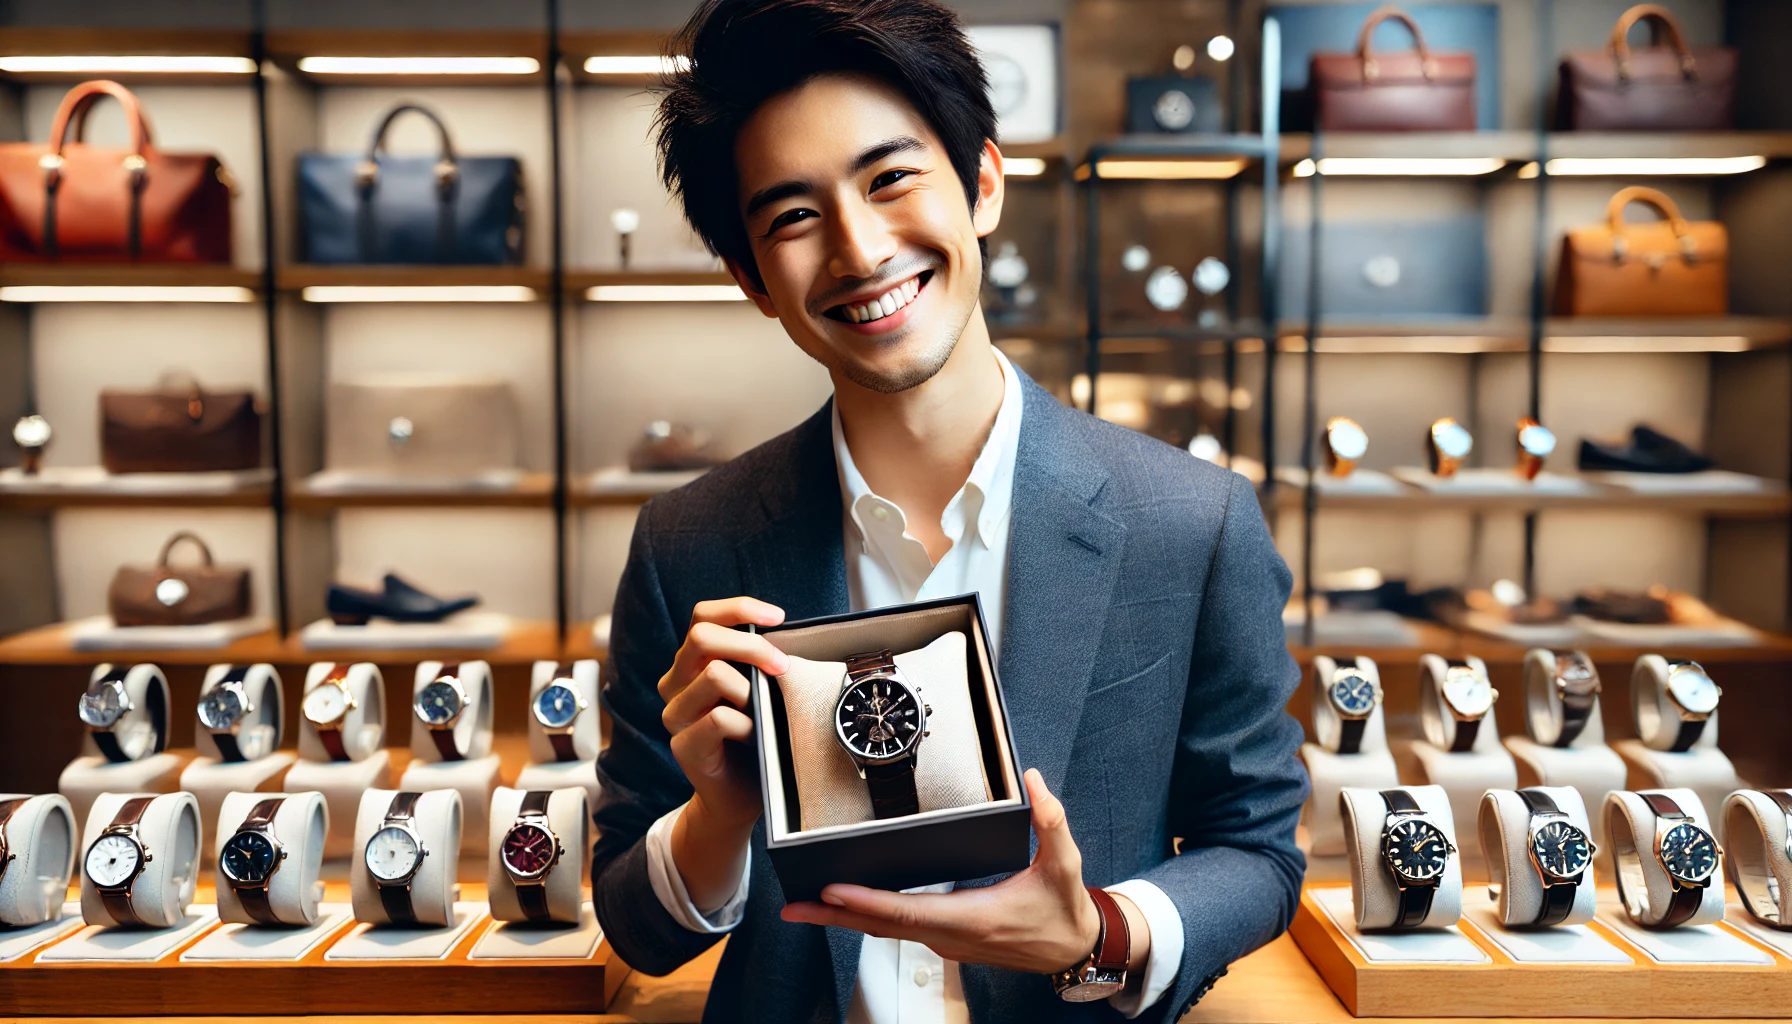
705,697
1040,920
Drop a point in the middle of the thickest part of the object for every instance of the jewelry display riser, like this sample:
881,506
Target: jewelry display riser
1504,987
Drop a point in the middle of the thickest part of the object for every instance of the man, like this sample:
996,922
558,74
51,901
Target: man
840,156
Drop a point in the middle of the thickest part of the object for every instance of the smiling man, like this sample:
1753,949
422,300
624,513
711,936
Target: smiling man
841,157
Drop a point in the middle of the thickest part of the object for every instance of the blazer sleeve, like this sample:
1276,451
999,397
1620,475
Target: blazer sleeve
1237,785
638,777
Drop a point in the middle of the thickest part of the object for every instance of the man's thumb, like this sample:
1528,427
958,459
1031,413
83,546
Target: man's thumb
1049,823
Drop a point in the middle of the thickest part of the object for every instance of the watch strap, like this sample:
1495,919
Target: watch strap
131,811
1466,731
155,698
396,901
1539,802
1690,729
1113,947
872,663
228,750
563,748
331,738
1350,734
532,897
254,899
403,806
1558,903
1576,708
1399,801
444,741
1684,904
1749,862
892,788
1633,887
1663,805
1415,905
331,735
262,814
535,801
118,901
107,742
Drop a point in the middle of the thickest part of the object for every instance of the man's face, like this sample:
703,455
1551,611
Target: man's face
864,240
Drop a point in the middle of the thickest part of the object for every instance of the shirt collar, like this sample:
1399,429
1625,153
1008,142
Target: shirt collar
992,475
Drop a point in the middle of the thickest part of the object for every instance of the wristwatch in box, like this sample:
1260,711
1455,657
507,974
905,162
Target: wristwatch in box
1535,442
529,851
1104,973
881,719
1468,697
439,706
223,710
117,858
1353,696
1686,851
327,706
105,704
1576,684
1447,443
1561,853
393,854
1345,443
249,859
557,707
1694,696
1415,852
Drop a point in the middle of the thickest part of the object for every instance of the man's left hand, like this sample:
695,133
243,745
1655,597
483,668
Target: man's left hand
1040,920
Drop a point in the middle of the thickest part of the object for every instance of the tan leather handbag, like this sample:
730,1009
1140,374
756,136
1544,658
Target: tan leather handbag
1674,87
67,200
179,428
169,595
1395,91
1673,267
410,426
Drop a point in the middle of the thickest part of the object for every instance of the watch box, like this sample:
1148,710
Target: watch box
927,848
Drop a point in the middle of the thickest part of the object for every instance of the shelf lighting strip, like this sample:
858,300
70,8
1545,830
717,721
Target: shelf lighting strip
419,65
1023,166
664,293
124,293
419,293
636,65
1166,170
193,64
1375,166
1642,167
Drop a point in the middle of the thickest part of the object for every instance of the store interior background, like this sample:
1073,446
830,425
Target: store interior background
722,367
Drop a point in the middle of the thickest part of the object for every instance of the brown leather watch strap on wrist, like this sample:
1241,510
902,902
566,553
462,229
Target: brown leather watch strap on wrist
1113,947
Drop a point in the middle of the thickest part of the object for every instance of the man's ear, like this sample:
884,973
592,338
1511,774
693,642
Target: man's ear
749,283
990,190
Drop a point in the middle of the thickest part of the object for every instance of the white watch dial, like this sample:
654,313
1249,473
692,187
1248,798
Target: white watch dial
1537,439
1693,689
1166,289
1467,691
325,704
1452,438
1348,440
392,854
31,432
112,860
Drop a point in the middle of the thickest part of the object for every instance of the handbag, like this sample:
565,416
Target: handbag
1673,267
169,595
1661,88
179,428
1415,90
406,426
379,208
67,200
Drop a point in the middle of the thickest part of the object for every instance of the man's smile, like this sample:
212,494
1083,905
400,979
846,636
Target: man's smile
885,311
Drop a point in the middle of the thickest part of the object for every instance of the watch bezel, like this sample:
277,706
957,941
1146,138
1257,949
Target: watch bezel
1339,676
1679,667
538,824
93,691
244,707
278,851
1453,672
1577,687
416,862
910,748
460,693
348,704
1087,982
579,705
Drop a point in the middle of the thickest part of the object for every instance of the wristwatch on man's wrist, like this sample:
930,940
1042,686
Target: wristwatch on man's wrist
557,708
1415,852
1353,695
393,855
529,851
1467,697
1576,684
223,710
1694,696
1560,852
117,858
439,706
249,859
880,718
1104,973
327,706
1685,850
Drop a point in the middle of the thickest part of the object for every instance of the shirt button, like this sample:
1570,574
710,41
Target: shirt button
923,975
880,513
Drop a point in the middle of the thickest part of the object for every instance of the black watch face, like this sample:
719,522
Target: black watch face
248,857
1689,853
1561,849
1416,850
878,719
1353,693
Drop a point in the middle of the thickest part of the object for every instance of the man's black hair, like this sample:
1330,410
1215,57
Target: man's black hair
744,52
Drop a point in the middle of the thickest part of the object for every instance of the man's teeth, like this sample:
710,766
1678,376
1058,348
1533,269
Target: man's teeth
885,304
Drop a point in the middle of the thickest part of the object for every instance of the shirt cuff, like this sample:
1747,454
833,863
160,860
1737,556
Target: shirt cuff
1165,960
668,885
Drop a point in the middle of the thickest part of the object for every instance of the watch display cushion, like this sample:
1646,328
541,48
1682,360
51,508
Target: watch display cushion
1375,899
1641,820
949,771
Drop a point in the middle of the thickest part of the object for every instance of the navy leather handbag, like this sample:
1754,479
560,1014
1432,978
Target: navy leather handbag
380,208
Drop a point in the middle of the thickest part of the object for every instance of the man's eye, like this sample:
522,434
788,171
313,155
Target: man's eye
789,217
888,178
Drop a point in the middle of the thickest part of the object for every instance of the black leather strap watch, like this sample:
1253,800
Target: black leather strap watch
1560,852
881,719
1685,850
106,701
1576,685
1415,852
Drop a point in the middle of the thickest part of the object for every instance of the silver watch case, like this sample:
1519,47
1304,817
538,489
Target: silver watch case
859,761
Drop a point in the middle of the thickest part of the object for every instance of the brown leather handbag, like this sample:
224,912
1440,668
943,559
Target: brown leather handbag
71,201
1673,267
1655,88
179,428
169,595
1406,91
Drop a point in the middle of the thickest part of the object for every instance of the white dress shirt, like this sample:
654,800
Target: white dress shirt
905,982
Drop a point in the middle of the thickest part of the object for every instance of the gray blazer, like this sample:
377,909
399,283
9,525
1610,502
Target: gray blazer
1143,662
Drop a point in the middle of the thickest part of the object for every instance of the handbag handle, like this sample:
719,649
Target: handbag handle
1614,216
168,548
183,383
1670,28
1372,70
73,113
446,165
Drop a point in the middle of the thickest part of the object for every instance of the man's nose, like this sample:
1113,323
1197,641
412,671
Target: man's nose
861,243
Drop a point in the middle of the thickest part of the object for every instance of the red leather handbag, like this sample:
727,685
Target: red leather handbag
1405,91
1655,88
71,201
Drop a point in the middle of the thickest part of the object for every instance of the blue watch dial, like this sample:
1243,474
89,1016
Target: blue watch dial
1689,853
438,703
1353,693
557,706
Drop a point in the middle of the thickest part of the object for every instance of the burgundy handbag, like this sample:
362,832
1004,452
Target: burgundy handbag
179,428
167,595
67,200
1655,88
1403,91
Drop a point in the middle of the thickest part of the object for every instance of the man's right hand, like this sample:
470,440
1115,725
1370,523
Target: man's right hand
705,700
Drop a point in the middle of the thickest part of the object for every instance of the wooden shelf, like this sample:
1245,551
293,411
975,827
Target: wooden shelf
1518,147
534,490
133,275
256,496
529,641
287,46
1417,500
1480,335
298,277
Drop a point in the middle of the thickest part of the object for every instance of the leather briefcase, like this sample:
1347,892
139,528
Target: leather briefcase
67,200
170,595
1395,91
415,427
1673,267
179,428
1673,87
378,208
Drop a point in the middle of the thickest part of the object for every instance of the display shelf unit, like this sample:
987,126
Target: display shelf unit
1772,504
1516,146
532,490
253,496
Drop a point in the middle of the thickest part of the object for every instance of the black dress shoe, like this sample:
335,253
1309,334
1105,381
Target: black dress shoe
398,602
1649,451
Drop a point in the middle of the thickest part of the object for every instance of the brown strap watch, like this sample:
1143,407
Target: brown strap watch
532,897
1633,889
1104,973
254,898
117,900
330,734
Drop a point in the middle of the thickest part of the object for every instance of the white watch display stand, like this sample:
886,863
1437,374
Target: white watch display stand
299,826
169,830
1703,769
568,819
1515,885
150,769
40,838
1466,775
1628,811
363,739
474,777
544,771
1371,767
210,778
1586,763
374,942
1757,864
1374,895
437,821
18,942
247,942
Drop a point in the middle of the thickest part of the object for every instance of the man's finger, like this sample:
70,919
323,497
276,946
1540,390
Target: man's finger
1057,850
737,611
707,642
718,684
699,748
836,917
